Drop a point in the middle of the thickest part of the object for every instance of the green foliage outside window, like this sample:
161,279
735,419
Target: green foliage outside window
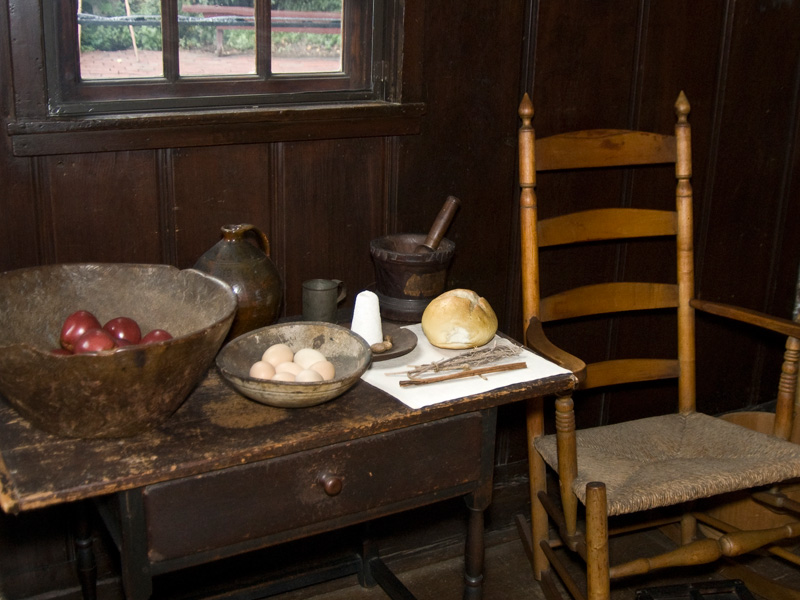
112,38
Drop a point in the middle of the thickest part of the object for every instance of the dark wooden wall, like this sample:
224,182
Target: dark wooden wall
619,63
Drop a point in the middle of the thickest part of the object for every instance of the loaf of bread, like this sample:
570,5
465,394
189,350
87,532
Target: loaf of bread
459,319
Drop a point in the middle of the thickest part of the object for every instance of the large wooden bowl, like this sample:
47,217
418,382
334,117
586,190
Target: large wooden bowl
121,392
348,352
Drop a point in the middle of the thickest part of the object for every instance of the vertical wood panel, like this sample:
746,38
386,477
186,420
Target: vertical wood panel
585,57
747,231
586,74
220,186
744,109
104,207
17,209
678,51
467,146
20,247
25,44
331,213
751,174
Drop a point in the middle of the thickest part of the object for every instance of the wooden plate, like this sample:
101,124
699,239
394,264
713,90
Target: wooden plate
403,342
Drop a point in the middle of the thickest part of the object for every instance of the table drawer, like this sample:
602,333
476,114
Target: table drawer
240,504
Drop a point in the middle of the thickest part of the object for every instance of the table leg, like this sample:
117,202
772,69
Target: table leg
477,503
84,552
474,556
137,581
374,571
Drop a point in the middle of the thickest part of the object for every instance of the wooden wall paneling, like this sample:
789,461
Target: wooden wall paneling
103,207
333,204
467,145
787,253
575,86
25,48
788,259
17,198
219,186
18,227
584,68
675,52
746,229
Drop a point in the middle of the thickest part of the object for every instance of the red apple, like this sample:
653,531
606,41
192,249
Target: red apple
124,328
94,340
75,326
156,335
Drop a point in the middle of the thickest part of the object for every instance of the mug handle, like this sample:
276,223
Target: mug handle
342,290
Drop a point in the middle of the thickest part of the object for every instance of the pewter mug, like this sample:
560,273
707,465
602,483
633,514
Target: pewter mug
321,298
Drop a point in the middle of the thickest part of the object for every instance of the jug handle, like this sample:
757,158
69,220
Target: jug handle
240,230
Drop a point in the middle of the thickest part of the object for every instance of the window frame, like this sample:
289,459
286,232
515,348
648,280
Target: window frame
68,94
398,109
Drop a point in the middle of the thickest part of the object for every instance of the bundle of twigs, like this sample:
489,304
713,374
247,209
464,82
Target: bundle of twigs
469,364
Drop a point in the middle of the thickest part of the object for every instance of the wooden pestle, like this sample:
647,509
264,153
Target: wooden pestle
439,227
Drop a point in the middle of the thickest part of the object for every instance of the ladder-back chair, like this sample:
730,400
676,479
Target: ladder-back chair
648,464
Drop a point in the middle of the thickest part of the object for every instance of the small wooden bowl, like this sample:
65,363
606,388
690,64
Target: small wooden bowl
348,352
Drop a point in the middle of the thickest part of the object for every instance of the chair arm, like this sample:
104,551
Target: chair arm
745,315
537,341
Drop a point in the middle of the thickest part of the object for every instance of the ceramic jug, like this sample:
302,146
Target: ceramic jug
251,273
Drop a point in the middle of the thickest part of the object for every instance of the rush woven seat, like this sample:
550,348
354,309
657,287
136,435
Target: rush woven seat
661,461
673,455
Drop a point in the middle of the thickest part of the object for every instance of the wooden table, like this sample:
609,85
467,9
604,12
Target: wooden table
226,475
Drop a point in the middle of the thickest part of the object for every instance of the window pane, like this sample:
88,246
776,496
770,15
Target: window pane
217,40
306,41
324,51
120,39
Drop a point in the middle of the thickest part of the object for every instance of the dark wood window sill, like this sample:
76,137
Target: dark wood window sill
35,137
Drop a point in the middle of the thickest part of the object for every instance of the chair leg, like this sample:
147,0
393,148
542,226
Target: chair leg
567,460
688,528
537,473
597,578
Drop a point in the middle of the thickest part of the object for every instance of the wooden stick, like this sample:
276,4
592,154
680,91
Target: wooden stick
465,373
130,28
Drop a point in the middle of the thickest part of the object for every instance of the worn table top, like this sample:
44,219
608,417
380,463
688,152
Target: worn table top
214,429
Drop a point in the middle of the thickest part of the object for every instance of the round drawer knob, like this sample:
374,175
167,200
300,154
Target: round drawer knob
332,484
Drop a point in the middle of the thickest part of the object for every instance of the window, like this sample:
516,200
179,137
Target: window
162,71
375,91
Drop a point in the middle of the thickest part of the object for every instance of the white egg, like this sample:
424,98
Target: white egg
307,357
324,368
308,375
288,367
283,376
277,354
262,370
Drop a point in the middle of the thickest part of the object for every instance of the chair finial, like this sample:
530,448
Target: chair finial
526,108
682,107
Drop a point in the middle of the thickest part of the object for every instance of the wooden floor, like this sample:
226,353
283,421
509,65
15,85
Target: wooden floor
437,574
508,577
431,570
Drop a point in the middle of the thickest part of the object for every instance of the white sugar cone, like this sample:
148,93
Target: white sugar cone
367,318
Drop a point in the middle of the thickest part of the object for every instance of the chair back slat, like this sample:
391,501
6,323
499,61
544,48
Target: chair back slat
603,148
629,370
606,224
604,298
624,221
